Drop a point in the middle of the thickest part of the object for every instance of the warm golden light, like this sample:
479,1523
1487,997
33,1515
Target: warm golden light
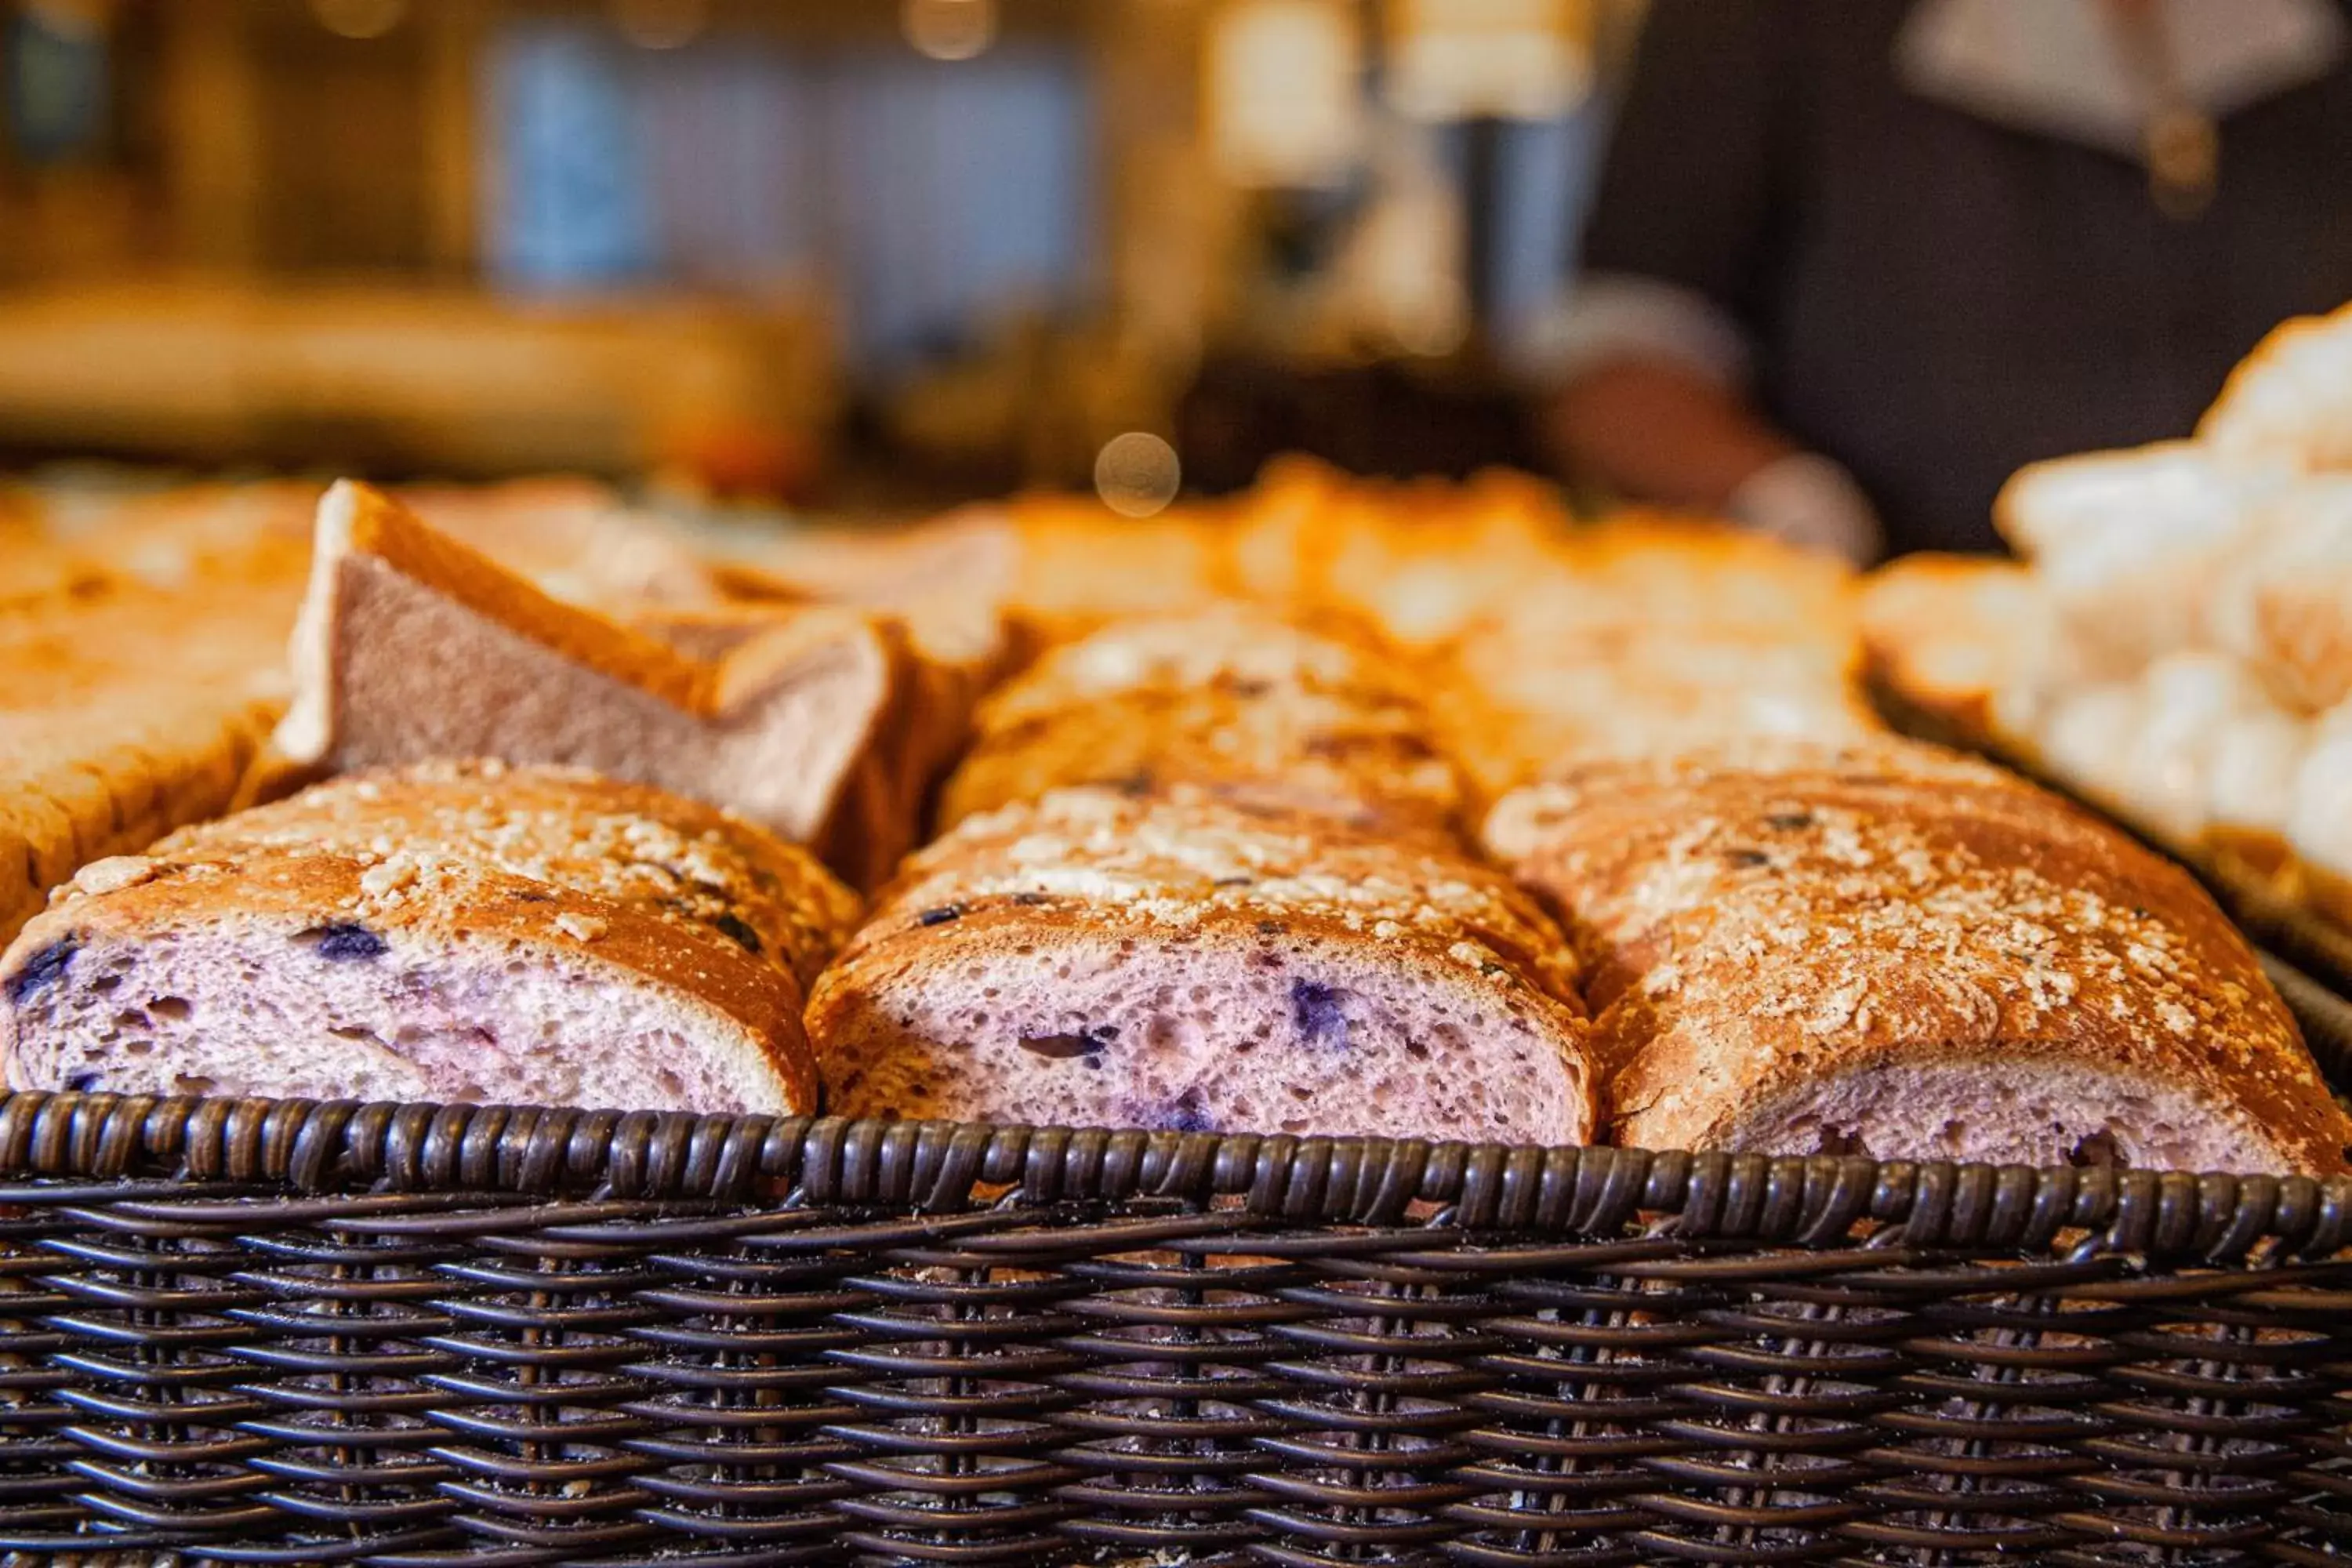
950,30
1137,474
359,18
1285,92
1517,60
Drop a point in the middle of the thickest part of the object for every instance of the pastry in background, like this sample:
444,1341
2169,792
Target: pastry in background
2127,544
2290,401
2283,603
1665,635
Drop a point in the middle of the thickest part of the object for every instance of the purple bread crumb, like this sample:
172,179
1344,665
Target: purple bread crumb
344,942
1185,1113
1314,1010
43,968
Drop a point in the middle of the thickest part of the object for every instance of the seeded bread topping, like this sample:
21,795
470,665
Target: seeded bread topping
1230,699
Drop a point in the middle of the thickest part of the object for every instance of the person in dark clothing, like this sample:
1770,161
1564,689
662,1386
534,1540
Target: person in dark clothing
1851,266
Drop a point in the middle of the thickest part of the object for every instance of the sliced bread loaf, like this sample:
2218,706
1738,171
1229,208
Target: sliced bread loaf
1230,699
1184,962
453,931
1895,951
411,646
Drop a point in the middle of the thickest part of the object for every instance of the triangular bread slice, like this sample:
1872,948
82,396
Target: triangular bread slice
411,646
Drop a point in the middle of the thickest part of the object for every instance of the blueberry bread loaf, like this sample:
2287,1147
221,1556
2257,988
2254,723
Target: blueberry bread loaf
450,932
1893,950
411,646
1229,700
1184,960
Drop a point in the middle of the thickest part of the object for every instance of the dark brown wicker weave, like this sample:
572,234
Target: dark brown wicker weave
290,1332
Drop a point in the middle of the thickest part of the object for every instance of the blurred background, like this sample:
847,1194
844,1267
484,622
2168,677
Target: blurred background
843,253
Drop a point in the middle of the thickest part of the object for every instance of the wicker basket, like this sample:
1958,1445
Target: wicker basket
256,1331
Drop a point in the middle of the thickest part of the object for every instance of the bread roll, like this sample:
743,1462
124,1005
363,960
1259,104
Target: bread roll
2130,544
1894,950
2290,400
1947,633
2283,603
1230,699
1182,962
453,931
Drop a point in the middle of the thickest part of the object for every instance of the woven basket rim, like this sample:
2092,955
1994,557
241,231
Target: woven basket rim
495,1151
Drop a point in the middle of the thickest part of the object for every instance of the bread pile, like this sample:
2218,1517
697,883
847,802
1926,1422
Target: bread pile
1205,873
542,934
1399,810
2177,645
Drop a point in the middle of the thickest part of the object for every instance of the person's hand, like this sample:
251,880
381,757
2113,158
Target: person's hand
1806,499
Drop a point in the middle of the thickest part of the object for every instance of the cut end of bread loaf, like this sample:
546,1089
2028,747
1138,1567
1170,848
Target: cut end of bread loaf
285,1008
1231,1031
453,931
411,647
2017,1110
1191,962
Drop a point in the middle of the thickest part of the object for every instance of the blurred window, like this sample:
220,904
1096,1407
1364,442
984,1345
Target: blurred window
567,191
961,190
934,195
57,86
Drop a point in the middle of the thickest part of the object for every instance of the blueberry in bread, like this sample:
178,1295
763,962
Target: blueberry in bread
1893,950
1182,960
450,932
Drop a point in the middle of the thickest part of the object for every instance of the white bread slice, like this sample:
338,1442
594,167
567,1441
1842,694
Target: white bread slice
1186,962
411,646
1899,951
2290,401
452,931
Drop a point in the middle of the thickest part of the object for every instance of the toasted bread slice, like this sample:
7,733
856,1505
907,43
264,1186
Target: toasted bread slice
411,646
1950,632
